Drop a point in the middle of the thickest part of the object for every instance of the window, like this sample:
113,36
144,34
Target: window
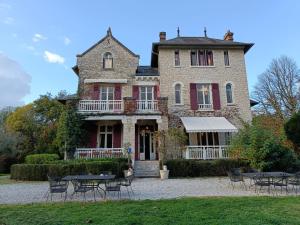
177,58
107,61
226,58
107,93
177,94
229,93
202,58
146,93
105,137
203,94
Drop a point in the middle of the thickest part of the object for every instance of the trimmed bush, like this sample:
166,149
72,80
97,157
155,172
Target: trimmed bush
41,158
201,168
38,172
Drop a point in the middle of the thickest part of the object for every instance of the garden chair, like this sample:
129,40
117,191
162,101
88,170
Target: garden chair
113,186
262,181
126,182
295,181
57,186
105,173
236,178
83,186
281,181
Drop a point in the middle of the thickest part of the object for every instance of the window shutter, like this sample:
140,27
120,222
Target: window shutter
117,136
96,92
118,92
135,92
193,96
216,96
92,136
156,92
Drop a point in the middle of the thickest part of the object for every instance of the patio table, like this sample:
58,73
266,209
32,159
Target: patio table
267,175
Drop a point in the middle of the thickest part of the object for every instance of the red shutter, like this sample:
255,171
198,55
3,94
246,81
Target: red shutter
92,131
117,136
193,96
96,92
135,92
216,96
156,92
118,92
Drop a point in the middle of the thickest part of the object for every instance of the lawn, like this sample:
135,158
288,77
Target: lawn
213,210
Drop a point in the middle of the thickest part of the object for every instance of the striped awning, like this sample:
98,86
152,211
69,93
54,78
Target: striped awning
207,124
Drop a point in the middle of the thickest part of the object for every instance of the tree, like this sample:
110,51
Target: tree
277,89
70,132
292,130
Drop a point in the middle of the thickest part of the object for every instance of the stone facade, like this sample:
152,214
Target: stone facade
186,74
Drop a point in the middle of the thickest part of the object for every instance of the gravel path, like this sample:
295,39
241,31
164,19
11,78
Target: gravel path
144,188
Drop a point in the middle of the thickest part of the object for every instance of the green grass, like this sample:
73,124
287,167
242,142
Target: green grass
212,211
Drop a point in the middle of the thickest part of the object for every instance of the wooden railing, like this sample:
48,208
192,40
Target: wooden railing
205,107
90,153
100,106
207,152
142,105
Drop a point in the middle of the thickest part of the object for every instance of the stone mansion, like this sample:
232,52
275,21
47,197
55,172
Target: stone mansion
197,83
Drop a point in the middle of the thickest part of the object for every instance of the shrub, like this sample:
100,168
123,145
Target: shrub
41,158
5,162
39,172
292,130
200,168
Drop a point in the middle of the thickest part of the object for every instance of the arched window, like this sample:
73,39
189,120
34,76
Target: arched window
177,94
229,93
107,61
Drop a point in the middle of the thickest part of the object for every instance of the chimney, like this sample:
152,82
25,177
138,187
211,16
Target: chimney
162,36
228,36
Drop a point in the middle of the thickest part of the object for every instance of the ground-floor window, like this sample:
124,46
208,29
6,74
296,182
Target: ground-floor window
208,138
105,136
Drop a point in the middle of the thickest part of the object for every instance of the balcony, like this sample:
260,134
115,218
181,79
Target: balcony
101,106
205,107
146,106
207,152
100,153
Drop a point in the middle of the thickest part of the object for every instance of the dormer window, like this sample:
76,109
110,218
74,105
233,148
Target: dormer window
107,61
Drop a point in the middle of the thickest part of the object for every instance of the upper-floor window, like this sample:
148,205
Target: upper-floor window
105,136
177,58
146,93
229,93
107,61
177,94
226,58
106,93
204,96
202,58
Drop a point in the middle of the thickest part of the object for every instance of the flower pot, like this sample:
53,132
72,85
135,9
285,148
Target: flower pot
164,174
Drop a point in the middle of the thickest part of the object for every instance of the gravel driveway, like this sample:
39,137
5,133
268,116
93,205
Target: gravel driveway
144,188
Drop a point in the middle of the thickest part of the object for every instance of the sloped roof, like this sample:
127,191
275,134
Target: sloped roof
146,71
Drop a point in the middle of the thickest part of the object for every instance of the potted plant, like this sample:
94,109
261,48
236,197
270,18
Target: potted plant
127,152
161,137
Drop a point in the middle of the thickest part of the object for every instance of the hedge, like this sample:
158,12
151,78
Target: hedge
41,158
200,168
39,172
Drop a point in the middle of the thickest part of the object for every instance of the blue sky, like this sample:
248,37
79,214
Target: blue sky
39,40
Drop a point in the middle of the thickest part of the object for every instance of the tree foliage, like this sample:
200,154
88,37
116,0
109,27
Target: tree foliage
292,130
277,89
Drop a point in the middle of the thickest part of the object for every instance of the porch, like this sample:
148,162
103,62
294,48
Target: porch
208,137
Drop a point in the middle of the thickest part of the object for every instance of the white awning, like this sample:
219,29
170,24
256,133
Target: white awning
113,81
207,124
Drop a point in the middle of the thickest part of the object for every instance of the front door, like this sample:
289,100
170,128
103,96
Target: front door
146,148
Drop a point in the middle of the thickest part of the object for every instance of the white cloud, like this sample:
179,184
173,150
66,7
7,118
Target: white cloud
8,20
38,37
53,58
67,40
15,82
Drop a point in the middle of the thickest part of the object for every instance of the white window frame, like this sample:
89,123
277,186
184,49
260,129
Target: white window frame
197,57
105,132
232,93
181,91
106,58
210,93
227,57
146,93
107,92
177,50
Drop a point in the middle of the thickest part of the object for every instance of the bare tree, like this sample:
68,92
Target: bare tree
277,89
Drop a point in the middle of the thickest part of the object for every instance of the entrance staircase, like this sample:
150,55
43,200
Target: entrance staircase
146,168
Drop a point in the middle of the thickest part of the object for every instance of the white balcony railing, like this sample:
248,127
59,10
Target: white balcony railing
100,106
142,105
205,107
90,153
207,152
